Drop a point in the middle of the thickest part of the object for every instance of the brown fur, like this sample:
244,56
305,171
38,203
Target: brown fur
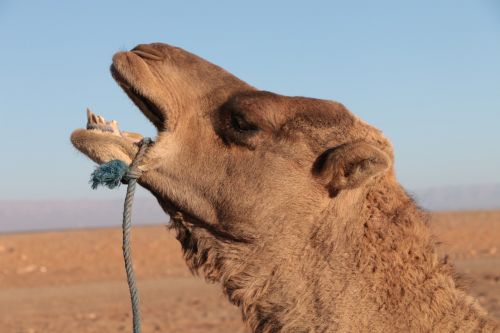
290,203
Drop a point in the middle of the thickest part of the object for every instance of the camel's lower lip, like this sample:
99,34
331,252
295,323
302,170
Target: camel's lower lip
144,103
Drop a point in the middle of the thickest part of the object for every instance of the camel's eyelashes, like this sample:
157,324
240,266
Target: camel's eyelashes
234,128
240,124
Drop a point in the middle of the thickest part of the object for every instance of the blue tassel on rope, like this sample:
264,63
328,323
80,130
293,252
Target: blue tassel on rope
109,174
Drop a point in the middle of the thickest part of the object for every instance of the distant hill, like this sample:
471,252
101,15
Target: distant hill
43,215
474,197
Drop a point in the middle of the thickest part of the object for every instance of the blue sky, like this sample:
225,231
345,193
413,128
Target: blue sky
427,73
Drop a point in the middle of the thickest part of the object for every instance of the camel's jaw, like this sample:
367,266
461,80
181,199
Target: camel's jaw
175,90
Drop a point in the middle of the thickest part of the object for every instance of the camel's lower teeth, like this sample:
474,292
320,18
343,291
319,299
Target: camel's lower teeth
95,122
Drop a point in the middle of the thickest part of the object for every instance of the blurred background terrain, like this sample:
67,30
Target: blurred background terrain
73,281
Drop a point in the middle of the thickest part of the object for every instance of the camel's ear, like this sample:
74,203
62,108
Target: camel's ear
350,165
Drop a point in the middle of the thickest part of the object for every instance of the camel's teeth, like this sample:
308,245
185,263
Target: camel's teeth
114,126
99,123
89,116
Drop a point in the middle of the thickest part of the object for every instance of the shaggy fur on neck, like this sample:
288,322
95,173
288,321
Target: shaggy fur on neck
381,266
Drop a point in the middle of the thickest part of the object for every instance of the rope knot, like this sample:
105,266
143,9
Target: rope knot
115,172
132,173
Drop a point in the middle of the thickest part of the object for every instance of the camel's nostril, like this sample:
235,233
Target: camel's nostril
147,51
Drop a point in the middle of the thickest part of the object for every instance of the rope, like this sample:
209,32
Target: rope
110,174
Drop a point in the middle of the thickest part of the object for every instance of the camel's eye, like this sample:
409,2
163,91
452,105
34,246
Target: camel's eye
234,128
240,124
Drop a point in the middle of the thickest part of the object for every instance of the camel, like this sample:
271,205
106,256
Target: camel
290,203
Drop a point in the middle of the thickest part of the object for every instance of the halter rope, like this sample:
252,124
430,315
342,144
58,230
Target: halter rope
111,174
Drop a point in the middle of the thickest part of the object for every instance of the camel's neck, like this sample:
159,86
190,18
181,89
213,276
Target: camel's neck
351,275
403,277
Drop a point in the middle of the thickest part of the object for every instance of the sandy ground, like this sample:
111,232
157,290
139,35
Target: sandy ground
73,281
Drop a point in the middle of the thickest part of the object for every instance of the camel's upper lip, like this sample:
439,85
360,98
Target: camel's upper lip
148,107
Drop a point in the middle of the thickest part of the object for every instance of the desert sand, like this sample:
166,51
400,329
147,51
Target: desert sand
73,281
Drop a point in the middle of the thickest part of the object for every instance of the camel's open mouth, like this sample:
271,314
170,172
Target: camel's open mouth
147,106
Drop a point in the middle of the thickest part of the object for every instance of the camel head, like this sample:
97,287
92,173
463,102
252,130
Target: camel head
232,164
290,202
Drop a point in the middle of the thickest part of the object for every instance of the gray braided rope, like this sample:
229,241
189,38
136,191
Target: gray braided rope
130,178
110,174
